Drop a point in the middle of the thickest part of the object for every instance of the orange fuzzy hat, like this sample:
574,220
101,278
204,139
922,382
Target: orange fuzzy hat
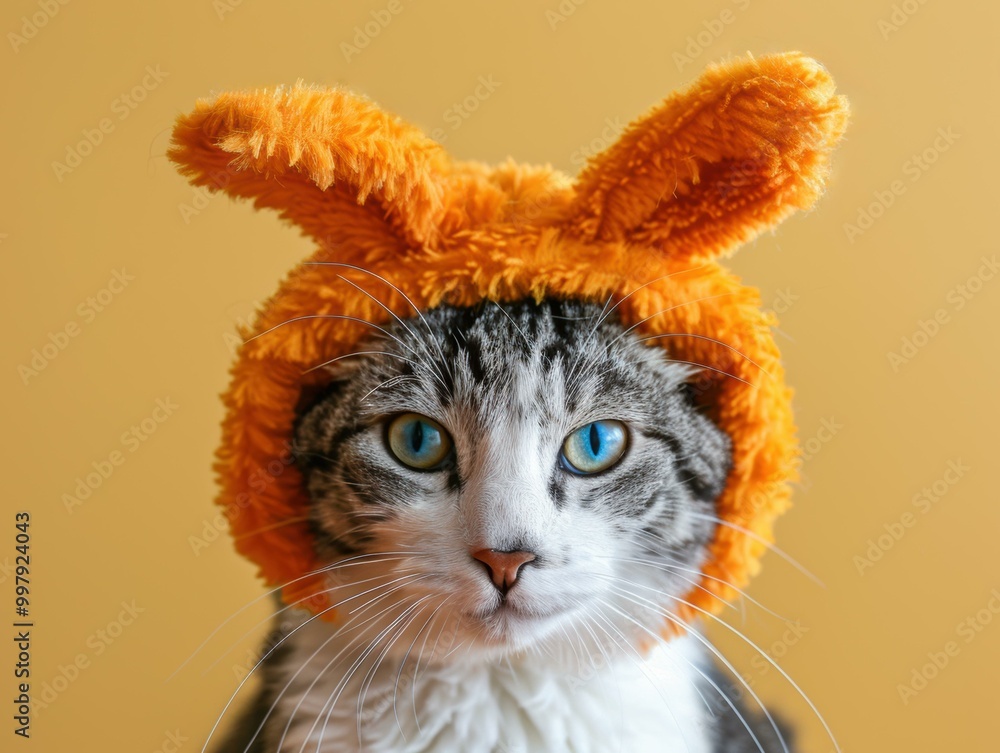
643,224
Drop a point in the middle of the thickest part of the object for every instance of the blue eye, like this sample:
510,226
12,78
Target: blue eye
418,441
595,447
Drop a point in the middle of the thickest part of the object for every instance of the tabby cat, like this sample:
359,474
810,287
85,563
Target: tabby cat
538,429
515,491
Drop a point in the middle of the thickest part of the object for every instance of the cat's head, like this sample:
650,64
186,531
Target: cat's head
518,471
405,231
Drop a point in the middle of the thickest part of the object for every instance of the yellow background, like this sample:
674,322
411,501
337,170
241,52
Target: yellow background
200,266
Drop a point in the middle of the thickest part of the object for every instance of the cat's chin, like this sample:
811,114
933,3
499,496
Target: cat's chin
511,627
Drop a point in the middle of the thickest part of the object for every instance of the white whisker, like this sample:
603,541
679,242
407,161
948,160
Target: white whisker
769,544
360,353
271,592
719,690
709,339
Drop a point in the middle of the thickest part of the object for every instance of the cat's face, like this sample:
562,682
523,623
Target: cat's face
520,473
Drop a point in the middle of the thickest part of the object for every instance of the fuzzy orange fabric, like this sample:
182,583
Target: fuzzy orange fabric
706,170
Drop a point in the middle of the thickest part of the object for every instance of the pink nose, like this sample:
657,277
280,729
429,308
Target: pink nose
503,566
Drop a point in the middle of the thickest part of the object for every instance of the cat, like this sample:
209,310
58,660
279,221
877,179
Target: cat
563,441
516,491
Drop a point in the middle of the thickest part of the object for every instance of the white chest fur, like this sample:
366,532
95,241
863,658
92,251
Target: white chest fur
534,703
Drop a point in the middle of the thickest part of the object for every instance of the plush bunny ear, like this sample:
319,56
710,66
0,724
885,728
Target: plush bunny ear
713,166
329,161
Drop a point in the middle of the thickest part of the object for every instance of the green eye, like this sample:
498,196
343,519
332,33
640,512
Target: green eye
418,441
595,447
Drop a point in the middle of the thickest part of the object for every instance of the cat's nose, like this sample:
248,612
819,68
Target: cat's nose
503,566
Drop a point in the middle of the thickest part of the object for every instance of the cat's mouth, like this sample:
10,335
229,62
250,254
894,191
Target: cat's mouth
513,624
507,609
